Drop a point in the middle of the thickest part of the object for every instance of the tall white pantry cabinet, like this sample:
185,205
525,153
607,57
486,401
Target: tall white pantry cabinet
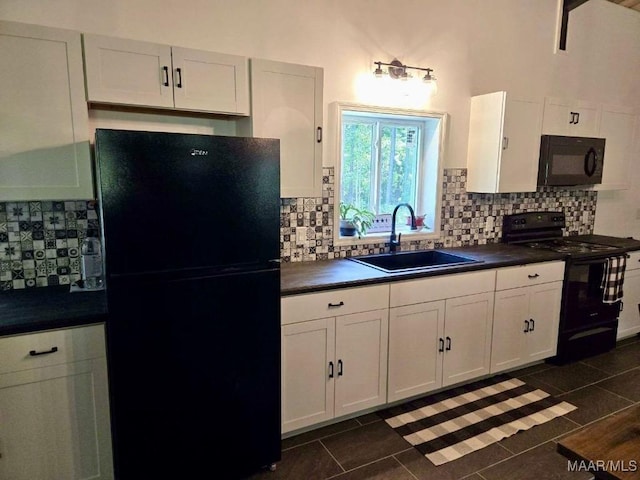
44,135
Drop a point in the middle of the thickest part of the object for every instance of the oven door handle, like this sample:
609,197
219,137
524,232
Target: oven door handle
589,262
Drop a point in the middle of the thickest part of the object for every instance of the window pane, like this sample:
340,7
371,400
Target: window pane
398,166
357,160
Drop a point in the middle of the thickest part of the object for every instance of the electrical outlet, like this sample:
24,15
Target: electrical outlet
301,235
489,224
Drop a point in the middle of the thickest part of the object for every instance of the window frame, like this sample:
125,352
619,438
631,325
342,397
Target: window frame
435,176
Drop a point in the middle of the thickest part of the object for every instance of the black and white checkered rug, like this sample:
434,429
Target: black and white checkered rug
447,425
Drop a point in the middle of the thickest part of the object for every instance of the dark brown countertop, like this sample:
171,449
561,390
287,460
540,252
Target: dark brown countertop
34,309
306,277
628,244
29,310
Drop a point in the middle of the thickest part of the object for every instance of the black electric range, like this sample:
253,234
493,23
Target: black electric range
588,325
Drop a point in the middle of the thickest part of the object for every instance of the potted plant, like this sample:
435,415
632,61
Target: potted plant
354,220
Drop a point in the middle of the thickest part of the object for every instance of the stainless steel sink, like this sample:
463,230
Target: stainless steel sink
417,260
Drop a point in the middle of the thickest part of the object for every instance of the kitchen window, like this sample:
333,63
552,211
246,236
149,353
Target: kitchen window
387,157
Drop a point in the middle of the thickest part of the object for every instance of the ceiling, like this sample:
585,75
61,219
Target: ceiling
632,4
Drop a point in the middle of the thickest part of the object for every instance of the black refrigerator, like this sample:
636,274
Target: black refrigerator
191,247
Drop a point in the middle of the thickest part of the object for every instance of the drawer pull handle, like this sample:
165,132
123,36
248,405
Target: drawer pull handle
533,324
448,344
535,275
330,369
336,305
339,368
526,328
441,349
33,353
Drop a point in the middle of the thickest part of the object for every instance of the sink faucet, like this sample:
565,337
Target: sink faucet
393,243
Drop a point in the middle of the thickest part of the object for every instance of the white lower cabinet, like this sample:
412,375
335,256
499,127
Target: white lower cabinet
526,314
629,319
439,332
333,366
54,408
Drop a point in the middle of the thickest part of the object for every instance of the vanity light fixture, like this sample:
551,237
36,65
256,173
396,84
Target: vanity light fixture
397,70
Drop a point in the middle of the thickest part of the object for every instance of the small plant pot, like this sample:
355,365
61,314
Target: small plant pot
347,228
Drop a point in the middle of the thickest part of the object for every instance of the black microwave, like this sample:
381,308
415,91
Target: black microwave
570,160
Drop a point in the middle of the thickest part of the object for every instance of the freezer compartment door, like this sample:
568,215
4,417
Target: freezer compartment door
180,201
195,375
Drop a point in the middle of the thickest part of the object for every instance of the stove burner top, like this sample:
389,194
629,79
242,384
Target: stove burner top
569,246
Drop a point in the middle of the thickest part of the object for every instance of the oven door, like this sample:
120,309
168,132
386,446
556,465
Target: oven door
583,302
570,160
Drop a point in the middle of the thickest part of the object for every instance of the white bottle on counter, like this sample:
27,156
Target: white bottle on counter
92,264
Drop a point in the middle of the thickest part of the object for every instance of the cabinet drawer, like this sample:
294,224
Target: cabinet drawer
71,345
309,306
441,287
633,262
532,274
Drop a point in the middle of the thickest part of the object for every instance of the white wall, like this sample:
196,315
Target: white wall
474,46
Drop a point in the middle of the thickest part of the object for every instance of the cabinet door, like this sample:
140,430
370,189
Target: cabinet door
54,423
128,72
416,349
629,319
210,82
308,370
287,104
44,135
504,144
520,146
467,329
570,117
361,361
544,308
617,126
508,343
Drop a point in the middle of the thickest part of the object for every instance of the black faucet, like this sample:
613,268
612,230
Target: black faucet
393,243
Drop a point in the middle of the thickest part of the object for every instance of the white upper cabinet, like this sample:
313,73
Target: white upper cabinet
574,118
129,72
617,127
44,134
287,104
504,144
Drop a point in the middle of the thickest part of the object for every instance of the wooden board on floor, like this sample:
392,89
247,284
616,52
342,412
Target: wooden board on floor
614,440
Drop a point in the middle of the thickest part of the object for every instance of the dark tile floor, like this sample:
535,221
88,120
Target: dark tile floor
366,448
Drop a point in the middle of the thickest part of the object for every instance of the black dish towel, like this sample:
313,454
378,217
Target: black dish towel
613,278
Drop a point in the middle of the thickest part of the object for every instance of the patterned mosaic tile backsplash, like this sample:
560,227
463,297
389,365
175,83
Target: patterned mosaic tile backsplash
463,218
40,241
